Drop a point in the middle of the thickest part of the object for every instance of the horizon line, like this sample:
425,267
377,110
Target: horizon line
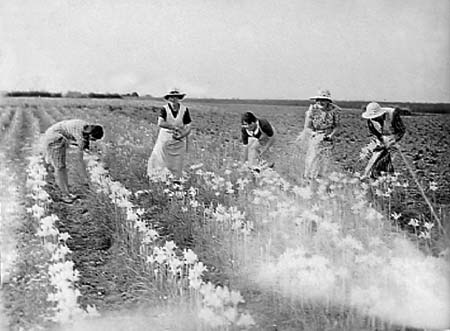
150,96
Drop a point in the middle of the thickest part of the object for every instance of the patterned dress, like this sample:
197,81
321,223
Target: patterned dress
59,136
318,151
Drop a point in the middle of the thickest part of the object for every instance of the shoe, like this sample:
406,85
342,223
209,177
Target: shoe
67,199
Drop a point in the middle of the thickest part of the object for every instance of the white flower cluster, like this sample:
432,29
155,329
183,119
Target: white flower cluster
167,259
220,307
10,209
222,184
61,271
234,217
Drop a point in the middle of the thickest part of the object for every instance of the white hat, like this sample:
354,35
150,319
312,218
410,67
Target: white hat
373,110
322,95
175,93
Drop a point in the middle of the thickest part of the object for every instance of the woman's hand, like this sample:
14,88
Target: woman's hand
388,141
176,134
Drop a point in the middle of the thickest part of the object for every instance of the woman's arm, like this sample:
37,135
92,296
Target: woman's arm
162,123
184,132
269,144
336,122
397,125
308,122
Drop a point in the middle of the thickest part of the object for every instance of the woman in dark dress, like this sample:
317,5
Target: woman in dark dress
387,128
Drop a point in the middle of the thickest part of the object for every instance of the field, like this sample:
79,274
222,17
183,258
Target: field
228,249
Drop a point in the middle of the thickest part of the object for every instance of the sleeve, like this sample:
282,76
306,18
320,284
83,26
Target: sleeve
84,144
163,113
244,136
373,131
266,127
76,130
398,127
337,117
187,117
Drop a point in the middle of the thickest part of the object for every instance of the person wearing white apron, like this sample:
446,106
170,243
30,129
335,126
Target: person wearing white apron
171,145
258,136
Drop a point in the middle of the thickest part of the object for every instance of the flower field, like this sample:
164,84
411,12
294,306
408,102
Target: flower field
227,249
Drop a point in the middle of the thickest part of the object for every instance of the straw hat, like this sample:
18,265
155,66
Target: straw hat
175,93
322,95
373,110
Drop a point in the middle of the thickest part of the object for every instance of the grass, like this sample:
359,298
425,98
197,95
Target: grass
323,255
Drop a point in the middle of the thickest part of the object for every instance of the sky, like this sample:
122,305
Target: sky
374,50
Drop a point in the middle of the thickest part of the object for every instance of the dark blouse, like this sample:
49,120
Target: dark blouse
186,117
391,124
265,128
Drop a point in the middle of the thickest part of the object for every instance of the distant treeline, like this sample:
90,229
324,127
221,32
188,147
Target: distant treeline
71,94
42,94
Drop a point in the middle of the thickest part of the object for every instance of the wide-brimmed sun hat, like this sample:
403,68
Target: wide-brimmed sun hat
373,110
322,95
175,93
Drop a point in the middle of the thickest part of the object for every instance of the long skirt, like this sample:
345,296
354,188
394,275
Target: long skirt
317,155
167,157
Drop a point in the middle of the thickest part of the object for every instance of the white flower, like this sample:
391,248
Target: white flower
174,265
245,320
236,298
92,311
396,216
230,313
414,222
428,225
189,256
196,166
194,203
425,235
303,192
170,246
433,186
63,236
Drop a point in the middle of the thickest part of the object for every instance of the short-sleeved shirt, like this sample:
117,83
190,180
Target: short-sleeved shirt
71,130
263,126
186,116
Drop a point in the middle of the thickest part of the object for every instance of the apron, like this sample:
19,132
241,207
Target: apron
168,153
